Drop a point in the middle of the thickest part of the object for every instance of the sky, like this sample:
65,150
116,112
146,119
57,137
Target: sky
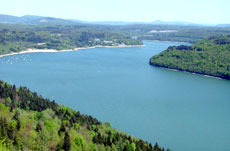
196,11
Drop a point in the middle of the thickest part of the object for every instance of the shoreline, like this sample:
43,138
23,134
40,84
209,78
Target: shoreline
190,72
34,50
170,41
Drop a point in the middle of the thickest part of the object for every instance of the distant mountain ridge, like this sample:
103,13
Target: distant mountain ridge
156,22
37,20
33,20
223,25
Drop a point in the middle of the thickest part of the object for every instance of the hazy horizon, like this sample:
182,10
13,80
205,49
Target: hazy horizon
179,21
197,11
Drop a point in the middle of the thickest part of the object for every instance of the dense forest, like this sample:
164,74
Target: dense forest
15,38
190,34
209,56
30,122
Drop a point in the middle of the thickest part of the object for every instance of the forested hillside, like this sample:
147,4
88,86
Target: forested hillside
15,38
30,122
209,56
178,33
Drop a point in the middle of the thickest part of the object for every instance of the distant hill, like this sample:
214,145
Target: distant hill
51,20
34,20
7,19
209,56
181,23
223,25
157,22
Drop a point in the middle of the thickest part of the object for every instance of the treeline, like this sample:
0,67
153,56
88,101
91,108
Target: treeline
178,33
209,56
15,38
30,122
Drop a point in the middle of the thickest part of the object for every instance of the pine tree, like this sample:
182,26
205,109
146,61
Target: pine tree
3,127
39,127
156,147
66,145
16,117
62,129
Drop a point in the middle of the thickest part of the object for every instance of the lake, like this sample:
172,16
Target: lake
179,110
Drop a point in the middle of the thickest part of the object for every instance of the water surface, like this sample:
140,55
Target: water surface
179,110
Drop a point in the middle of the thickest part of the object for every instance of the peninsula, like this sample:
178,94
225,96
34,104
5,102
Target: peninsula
209,56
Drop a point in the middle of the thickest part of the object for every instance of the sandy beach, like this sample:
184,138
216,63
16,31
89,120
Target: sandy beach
30,51
33,50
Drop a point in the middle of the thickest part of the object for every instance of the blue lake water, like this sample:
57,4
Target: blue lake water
179,110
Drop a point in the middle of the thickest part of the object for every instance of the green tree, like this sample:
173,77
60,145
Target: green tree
66,145
16,117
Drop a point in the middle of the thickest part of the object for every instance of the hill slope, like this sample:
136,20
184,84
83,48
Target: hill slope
209,56
30,122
